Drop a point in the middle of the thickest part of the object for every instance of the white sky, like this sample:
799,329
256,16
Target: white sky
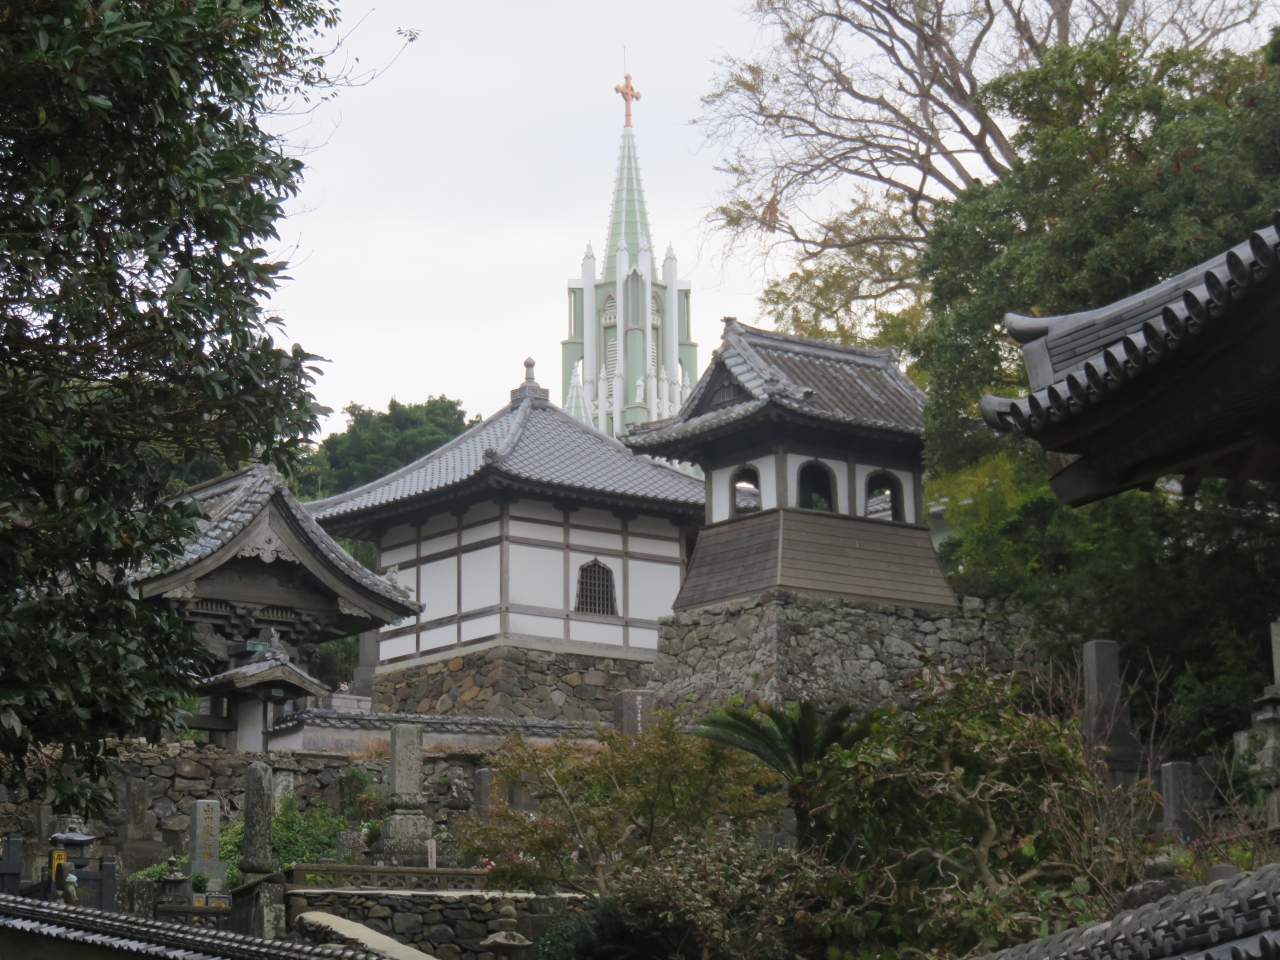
447,202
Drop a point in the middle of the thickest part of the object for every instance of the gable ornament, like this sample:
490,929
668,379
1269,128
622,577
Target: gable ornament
268,547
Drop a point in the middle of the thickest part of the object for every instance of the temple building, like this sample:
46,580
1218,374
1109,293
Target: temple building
630,356
1181,379
531,529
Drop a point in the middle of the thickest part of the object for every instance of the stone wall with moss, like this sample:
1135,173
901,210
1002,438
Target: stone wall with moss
512,682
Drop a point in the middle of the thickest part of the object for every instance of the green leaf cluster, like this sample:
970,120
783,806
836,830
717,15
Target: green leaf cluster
138,191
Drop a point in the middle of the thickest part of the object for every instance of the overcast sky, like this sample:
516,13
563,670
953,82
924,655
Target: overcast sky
447,202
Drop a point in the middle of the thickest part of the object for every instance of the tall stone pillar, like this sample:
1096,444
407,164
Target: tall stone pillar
362,683
258,804
1108,731
406,831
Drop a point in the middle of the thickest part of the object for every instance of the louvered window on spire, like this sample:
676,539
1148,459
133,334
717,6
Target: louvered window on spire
595,590
655,310
610,315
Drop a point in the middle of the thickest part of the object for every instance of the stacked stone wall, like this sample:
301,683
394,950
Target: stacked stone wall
511,682
784,646
446,925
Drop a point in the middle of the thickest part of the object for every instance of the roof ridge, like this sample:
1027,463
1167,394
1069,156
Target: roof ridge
514,433
736,338
815,345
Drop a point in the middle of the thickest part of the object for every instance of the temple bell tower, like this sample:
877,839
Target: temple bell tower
629,357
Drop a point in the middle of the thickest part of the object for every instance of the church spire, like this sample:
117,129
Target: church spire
628,220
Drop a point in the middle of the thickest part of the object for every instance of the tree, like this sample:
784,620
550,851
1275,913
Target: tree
789,741
137,188
861,115
603,810
376,443
984,825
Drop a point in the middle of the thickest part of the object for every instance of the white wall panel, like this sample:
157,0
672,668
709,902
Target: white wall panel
652,526
439,637
594,538
721,496
536,626
439,524
480,585
484,531
537,510
537,531
448,541
397,647
480,627
588,632
660,548
595,518
481,511
865,470
767,468
653,589
398,554
537,576
641,637
398,535
440,588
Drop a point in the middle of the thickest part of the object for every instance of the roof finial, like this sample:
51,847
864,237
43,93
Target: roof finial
528,370
629,93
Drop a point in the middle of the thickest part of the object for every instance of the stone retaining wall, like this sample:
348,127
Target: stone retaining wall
512,682
446,925
783,646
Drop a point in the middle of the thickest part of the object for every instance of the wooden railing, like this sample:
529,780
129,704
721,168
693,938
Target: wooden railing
336,875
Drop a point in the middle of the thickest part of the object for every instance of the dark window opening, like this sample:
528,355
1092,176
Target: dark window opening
595,590
817,492
745,488
884,497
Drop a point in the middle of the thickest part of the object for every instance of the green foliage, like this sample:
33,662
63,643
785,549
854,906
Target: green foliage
377,443
983,825
603,810
335,661
199,882
352,783
605,930
1134,166
304,837
138,189
789,741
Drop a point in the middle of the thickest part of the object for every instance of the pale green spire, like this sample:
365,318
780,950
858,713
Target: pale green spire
629,220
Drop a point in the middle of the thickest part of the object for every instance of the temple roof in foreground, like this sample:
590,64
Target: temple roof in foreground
754,372
529,444
1236,919
1180,378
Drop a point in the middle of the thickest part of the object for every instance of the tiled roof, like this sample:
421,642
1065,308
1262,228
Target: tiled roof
271,665
532,440
233,501
848,385
1078,361
438,723
151,938
1236,919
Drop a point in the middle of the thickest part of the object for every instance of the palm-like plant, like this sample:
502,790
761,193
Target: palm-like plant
788,740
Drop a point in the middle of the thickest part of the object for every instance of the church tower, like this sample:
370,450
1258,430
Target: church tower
629,357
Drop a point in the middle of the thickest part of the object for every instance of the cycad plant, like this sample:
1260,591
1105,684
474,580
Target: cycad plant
790,740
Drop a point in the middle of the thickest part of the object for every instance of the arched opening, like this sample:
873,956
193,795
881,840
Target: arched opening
884,497
744,491
595,590
816,488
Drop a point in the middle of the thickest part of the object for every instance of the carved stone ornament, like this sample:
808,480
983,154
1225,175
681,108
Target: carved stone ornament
267,545
347,607
184,592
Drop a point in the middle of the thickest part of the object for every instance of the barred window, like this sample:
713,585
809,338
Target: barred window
595,590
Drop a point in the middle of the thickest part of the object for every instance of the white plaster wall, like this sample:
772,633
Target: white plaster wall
536,510
642,637
439,544
838,467
481,627
721,495
398,554
653,589
595,538
398,535
439,523
536,626
536,531
440,588
396,647
537,576
651,545
767,468
438,637
481,511
588,517
904,477
484,531
588,632
249,725
651,526
480,578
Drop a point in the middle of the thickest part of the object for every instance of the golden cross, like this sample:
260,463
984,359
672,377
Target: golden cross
629,93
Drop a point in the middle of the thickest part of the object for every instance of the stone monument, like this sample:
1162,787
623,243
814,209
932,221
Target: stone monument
206,831
1108,732
257,861
406,831
138,848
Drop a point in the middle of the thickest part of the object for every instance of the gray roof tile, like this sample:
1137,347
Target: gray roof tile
842,384
531,440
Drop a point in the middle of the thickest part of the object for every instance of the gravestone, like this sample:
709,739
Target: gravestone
633,711
281,784
257,860
206,829
1184,790
1108,732
138,847
406,831
484,790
